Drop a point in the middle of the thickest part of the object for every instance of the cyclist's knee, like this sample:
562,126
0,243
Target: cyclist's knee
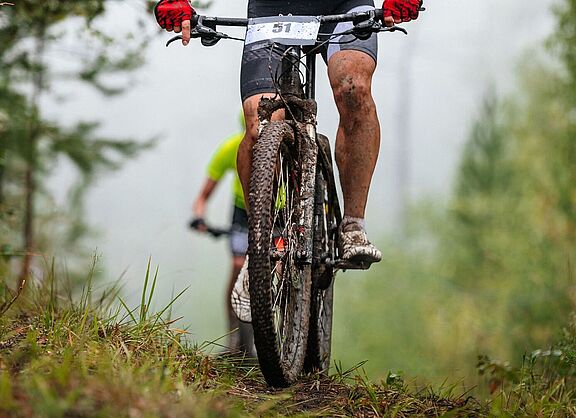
250,107
351,79
352,92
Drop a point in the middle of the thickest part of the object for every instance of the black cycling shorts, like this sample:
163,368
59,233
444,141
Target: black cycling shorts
260,63
239,232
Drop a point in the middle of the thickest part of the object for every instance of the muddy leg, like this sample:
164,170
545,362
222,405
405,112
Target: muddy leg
358,137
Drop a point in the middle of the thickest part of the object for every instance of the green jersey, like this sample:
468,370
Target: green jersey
223,160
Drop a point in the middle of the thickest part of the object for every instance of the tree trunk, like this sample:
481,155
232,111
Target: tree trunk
2,159
32,160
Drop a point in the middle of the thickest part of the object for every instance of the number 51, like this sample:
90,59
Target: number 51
279,27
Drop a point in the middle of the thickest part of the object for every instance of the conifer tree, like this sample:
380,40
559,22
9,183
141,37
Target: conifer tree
30,30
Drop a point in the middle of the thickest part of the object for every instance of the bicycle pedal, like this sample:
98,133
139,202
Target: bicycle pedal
351,265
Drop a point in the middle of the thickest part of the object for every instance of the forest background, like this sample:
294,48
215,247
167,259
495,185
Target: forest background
487,267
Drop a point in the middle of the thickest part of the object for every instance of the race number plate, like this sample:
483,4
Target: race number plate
286,30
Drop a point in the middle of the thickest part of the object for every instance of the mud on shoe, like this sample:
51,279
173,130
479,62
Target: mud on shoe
240,298
354,244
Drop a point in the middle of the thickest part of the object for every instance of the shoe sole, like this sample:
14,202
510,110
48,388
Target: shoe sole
362,258
358,262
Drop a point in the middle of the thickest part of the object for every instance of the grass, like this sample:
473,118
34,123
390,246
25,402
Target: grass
95,356
543,386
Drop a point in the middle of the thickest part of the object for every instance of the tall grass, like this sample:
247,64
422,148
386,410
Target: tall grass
93,355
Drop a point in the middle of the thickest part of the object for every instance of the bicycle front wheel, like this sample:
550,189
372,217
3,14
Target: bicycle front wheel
280,286
326,213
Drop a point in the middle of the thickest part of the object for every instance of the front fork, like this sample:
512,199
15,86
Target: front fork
301,107
305,143
305,205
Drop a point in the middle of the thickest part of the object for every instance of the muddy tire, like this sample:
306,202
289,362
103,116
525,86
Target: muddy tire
279,287
320,328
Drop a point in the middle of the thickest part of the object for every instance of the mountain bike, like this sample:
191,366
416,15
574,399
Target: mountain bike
294,208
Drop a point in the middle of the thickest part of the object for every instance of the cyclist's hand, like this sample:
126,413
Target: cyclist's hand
198,224
175,15
398,11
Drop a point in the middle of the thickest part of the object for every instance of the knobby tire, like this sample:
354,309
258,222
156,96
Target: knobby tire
326,214
279,287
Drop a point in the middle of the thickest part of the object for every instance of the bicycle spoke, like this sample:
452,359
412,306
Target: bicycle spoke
283,225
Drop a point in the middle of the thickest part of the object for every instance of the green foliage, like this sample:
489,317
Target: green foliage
544,384
494,273
31,145
564,38
510,231
484,168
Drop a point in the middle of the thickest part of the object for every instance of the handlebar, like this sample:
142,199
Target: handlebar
377,14
209,21
197,224
204,27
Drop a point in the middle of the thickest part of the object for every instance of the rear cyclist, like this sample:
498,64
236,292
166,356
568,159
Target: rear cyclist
240,337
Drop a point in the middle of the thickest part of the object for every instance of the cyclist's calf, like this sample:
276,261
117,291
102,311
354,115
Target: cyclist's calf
358,137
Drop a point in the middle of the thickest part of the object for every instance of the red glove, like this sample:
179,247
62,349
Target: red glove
171,13
402,10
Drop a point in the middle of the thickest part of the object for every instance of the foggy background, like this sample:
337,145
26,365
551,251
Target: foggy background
189,97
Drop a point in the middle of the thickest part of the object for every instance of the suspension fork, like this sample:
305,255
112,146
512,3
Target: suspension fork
308,163
309,158
310,76
298,101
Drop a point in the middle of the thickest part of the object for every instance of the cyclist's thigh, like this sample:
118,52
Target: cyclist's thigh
260,63
350,42
260,60
351,67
